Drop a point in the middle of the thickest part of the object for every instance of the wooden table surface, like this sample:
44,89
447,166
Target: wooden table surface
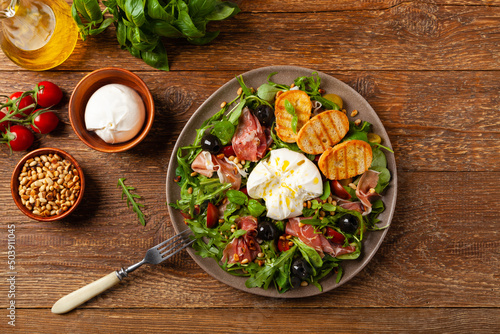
430,69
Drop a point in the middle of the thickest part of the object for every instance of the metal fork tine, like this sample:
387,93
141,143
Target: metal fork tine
165,256
171,245
178,236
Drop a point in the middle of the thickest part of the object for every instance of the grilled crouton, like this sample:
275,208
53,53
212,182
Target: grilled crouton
302,105
346,160
323,131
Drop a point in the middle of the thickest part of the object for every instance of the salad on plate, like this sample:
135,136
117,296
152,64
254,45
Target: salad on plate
280,186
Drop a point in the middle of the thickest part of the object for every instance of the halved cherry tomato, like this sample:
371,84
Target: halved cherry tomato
212,215
25,101
5,124
20,138
244,190
49,95
228,151
337,237
339,191
45,123
283,244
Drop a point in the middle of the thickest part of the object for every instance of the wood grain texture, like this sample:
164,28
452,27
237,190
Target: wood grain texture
266,320
408,36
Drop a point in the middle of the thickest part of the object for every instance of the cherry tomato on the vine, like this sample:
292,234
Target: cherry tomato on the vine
45,123
20,138
49,94
4,124
25,101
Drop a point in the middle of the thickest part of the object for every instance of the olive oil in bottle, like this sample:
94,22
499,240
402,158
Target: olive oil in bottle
37,34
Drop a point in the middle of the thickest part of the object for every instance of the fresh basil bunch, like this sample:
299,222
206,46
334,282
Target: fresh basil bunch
140,24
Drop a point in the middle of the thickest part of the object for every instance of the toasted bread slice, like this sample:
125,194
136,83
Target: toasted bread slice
346,160
323,131
303,106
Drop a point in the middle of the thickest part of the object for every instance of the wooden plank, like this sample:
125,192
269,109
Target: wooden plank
442,250
263,320
437,121
409,36
344,5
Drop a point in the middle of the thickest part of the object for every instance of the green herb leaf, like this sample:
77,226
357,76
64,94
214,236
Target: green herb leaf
236,197
291,110
255,208
224,130
136,207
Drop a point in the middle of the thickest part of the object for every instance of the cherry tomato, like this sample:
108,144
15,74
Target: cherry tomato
283,245
337,237
25,101
5,124
339,191
49,95
20,138
228,151
244,190
45,123
212,215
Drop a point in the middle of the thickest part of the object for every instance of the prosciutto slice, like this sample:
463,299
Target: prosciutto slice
244,247
317,241
206,164
249,141
368,181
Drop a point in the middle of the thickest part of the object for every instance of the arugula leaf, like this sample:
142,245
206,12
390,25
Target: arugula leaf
136,207
291,110
265,276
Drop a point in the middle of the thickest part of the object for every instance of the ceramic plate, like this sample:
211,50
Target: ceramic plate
286,75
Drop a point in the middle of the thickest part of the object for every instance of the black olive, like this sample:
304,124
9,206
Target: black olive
295,281
265,114
211,143
348,223
301,268
267,231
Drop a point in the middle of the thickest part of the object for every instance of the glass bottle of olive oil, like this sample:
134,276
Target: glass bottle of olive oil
37,34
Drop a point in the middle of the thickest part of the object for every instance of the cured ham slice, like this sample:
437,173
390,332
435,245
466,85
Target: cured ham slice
203,164
206,164
315,240
227,173
249,141
368,181
244,247
308,236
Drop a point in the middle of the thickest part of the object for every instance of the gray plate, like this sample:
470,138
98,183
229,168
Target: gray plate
286,75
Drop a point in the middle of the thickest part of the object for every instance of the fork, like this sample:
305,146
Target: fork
154,255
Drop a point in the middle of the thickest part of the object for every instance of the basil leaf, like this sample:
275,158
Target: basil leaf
156,58
379,159
383,179
209,36
121,33
236,197
255,208
201,8
224,130
165,29
156,11
134,10
186,25
267,92
291,110
223,10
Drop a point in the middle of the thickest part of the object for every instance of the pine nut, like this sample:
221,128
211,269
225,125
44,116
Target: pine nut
244,261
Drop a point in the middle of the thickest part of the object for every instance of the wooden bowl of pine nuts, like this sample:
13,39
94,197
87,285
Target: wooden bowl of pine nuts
47,184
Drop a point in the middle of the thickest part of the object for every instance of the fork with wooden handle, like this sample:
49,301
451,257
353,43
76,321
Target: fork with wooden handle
154,255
